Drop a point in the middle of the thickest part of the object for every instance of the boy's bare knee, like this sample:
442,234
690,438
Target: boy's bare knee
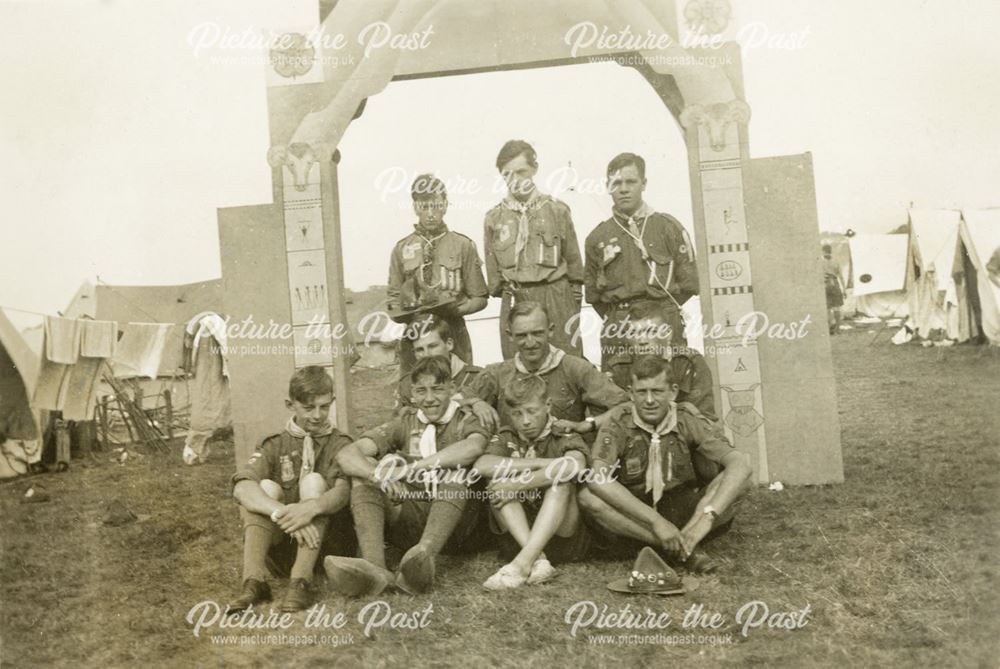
272,489
311,485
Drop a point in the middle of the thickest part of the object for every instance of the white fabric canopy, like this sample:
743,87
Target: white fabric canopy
878,263
980,234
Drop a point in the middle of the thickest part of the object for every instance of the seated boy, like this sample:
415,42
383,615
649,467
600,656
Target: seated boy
533,472
659,466
293,498
410,475
650,335
434,338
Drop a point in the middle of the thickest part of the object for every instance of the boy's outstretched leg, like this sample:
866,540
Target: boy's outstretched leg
365,576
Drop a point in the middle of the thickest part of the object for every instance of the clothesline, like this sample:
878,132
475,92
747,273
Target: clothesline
57,315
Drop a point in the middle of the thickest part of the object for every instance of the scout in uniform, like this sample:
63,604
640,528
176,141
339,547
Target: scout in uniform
434,339
410,477
574,385
531,251
434,270
663,475
533,492
637,255
293,497
650,334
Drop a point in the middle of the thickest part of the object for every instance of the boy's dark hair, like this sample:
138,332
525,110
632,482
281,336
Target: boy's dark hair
309,382
426,187
649,367
433,323
623,160
436,366
512,149
522,391
525,308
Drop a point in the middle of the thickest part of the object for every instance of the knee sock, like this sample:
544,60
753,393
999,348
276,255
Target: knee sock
442,520
256,543
368,510
305,557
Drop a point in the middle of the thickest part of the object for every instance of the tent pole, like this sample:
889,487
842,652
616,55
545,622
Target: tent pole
329,190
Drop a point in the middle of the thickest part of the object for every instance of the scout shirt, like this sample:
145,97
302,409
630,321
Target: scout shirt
466,381
688,369
401,435
573,386
550,249
447,262
616,271
279,458
622,442
506,443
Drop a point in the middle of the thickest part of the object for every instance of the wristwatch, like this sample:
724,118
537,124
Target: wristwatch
710,511
593,423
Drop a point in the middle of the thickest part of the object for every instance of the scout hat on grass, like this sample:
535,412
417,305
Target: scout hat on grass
650,575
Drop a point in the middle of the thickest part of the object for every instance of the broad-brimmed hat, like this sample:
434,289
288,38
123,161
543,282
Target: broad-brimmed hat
650,575
420,309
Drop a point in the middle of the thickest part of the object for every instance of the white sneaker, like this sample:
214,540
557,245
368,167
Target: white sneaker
506,578
541,572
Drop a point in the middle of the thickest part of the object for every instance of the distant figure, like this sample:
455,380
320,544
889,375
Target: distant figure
834,289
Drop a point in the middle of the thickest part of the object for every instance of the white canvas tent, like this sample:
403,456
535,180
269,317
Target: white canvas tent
938,299
979,236
878,274
20,435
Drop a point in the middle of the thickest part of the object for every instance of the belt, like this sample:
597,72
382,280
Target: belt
628,304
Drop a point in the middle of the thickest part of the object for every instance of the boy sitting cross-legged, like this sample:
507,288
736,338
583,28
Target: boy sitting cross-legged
293,498
533,492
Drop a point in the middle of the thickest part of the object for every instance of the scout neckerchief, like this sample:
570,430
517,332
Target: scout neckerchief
530,451
636,231
428,439
551,361
457,365
654,466
523,210
427,249
308,446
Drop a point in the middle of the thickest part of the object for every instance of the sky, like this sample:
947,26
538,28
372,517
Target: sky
120,142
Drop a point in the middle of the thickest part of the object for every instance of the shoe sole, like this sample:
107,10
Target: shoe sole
416,573
354,577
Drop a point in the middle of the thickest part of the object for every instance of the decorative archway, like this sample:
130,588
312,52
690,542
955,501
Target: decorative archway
755,224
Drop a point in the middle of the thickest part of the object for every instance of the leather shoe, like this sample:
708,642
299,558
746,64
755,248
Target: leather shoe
253,592
299,596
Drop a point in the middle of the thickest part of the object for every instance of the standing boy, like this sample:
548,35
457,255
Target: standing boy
434,270
531,249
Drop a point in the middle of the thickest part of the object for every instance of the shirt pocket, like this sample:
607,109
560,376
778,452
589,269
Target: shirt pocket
661,273
562,400
547,245
450,270
504,239
609,265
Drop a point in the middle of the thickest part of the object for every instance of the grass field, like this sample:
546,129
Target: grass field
898,565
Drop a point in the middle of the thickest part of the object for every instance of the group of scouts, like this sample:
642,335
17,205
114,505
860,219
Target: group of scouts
541,456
